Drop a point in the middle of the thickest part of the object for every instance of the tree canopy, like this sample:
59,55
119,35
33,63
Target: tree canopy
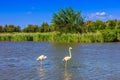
67,20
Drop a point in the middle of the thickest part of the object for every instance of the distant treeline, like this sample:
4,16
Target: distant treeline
88,26
65,24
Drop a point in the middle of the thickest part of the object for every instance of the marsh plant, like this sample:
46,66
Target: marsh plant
89,37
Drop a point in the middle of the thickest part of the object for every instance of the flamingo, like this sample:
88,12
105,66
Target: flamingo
40,58
68,57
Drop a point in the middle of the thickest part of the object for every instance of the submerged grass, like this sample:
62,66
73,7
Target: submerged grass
61,37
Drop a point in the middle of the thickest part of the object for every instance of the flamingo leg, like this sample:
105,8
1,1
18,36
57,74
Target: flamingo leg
65,64
41,63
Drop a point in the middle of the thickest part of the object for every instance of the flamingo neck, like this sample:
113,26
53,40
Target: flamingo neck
70,52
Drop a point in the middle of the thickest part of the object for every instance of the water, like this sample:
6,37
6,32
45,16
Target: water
89,61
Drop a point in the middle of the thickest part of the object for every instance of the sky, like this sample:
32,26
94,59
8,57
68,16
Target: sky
24,12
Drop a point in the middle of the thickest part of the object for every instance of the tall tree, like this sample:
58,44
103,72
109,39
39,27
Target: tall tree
1,28
117,24
44,27
52,28
17,29
67,20
110,24
99,25
9,28
31,28
90,26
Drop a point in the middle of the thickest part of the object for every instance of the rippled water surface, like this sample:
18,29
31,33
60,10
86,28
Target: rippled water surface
89,61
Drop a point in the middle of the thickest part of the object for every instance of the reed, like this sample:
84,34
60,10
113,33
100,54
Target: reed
43,37
22,37
104,36
67,38
5,37
91,37
118,35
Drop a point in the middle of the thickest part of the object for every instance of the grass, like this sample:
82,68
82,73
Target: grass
62,37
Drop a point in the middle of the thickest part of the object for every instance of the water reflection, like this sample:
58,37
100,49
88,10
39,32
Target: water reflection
41,73
67,75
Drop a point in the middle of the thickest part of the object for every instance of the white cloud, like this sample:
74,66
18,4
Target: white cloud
97,13
100,13
103,13
100,16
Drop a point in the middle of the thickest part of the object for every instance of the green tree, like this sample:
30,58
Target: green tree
35,28
67,20
1,29
90,26
110,24
52,28
25,30
9,28
99,25
44,27
31,28
17,29
117,24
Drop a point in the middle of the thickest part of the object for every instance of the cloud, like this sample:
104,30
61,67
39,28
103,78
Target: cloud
100,13
100,16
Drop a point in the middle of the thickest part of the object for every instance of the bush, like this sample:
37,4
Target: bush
109,35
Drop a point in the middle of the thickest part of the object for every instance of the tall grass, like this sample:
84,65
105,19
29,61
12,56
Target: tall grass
5,37
43,37
66,38
91,37
118,35
22,37
104,36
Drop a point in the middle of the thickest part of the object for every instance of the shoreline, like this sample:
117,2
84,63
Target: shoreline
97,37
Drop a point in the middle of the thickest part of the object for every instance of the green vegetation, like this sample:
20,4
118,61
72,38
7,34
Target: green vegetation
68,20
67,26
103,36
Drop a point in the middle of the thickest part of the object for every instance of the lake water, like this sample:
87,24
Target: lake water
94,61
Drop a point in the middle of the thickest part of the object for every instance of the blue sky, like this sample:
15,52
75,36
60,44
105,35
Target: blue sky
24,12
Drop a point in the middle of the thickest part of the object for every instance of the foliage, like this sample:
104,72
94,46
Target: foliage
44,27
109,35
22,37
67,20
31,28
110,24
11,28
99,36
1,29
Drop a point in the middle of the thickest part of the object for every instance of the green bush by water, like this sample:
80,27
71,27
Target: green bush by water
43,37
99,36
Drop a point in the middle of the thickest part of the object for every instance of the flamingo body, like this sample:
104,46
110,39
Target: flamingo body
42,57
68,57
